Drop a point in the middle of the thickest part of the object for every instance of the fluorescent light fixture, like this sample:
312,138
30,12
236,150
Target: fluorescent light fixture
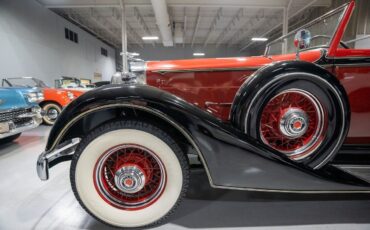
259,39
198,54
134,54
150,38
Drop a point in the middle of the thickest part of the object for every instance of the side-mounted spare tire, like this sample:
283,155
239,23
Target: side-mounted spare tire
296,108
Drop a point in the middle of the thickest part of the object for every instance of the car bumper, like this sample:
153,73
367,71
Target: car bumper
47,160
35,119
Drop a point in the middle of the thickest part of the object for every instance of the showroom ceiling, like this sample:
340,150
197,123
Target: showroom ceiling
192,22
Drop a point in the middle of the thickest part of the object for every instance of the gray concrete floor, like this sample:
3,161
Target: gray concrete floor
28,203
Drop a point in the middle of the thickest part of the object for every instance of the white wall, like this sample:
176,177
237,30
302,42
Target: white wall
362,44
32,43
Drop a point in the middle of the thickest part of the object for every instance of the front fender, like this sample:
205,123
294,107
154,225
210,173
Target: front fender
231,158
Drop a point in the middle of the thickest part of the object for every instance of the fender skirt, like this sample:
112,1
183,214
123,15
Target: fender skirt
231,159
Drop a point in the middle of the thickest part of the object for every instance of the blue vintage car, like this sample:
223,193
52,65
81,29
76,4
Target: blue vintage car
19,111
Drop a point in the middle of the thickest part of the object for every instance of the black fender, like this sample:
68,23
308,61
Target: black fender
261,86
273,70
231,159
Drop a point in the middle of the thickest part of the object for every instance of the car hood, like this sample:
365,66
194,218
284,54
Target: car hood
210,64
12,99
54,90
24,89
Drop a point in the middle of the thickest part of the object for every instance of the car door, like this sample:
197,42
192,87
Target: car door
352,67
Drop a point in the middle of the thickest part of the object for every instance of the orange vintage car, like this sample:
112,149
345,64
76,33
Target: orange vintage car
54,99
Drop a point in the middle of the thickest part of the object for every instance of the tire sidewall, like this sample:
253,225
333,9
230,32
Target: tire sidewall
90,198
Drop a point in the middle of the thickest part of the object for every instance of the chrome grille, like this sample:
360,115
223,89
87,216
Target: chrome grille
13,114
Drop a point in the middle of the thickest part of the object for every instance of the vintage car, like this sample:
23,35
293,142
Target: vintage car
291,123
72,83
54,99
19,112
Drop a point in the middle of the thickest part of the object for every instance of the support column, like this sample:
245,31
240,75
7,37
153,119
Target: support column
124,37
285,29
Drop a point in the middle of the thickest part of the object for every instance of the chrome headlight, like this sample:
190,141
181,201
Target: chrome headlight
32,97
139,70
70,95
40,96
36,109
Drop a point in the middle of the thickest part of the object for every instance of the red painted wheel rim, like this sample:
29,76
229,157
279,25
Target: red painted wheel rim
307,124
121,168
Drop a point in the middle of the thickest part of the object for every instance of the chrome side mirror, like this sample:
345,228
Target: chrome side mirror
302,39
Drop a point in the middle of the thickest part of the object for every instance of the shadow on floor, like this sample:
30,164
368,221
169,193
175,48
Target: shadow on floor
206,207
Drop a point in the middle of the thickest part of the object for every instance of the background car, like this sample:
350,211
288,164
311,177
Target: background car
54,99
19,111
70,83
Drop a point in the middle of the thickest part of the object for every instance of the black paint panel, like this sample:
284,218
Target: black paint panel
232,158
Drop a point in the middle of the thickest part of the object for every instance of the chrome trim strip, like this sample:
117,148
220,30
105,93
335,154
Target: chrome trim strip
164,71
36,121
352,166
209,103
46,158
295,191
28,126
353,65
348,57
17,108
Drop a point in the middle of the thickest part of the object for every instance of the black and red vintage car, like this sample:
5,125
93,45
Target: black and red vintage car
297,123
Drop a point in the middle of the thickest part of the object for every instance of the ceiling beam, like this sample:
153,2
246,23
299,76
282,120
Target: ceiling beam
258,19
213,26
196,27
229,26
85,25
131,33
142,24
185,26
163,21
268,4
104,25
310,4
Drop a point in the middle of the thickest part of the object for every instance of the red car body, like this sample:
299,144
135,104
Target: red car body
212,83
57,96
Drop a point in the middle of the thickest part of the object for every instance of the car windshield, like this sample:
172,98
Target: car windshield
68,83
322,31
26,82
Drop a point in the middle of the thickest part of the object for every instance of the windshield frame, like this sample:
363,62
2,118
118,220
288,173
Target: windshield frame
39,83
342,8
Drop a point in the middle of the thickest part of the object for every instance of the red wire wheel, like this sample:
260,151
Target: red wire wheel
129,177
293,122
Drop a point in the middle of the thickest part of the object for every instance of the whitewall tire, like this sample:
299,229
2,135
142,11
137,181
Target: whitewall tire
105,182
52,112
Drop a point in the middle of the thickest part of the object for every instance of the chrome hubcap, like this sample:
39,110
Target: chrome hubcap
52,113
294,123
130,179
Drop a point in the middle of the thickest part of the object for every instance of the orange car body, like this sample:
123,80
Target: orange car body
60,96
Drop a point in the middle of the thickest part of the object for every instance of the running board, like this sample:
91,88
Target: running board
360,171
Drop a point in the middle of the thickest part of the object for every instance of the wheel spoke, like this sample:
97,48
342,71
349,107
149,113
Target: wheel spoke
274,124
142,165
